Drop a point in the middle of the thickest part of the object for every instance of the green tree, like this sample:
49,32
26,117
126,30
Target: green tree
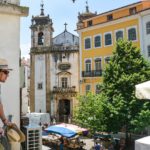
126,68
89,112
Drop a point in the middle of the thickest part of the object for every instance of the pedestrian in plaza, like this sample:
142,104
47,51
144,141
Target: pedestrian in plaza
97,146
111,147
61,143
4,72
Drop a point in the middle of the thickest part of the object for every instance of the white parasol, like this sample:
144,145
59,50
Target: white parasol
142,91
143,143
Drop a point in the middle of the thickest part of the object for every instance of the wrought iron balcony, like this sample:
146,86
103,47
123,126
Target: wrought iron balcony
92,73
64,90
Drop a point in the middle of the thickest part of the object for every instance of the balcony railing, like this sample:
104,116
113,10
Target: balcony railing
92,73
64,90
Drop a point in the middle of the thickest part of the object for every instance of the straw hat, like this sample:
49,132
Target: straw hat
14,134
4,64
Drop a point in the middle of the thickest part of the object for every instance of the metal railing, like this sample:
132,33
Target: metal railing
64,90
92,73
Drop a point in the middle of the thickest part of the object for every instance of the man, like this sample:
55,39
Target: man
97,146
4,72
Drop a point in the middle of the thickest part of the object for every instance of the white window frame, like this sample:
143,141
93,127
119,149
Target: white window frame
95,87
40,85
105,58
94,62
148,48
85,63
111,39
90,88
100,40
88,37
128,28
148,22
65,83
117,31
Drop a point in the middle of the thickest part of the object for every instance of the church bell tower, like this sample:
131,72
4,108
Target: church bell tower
41,41
41,30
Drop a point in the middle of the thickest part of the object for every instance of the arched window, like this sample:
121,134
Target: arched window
119,35
88,65
132,34
40,38
98,65
107,59
148,27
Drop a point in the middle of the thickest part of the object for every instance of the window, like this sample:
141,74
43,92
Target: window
108,40
40,86
89,23
148,27
119,35
88,65
148,49
107,59
109,17
87,88
132,11
64,82
97,41
97,89
87,43
40,38
132,34
98,64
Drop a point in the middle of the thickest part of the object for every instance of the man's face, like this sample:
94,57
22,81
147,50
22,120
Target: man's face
3,75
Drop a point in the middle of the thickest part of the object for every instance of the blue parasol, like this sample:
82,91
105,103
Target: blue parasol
61,130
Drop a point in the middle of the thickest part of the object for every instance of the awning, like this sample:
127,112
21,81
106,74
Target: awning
67,130
142,91
61,130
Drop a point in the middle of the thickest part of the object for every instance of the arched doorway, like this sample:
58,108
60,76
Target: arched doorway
64,110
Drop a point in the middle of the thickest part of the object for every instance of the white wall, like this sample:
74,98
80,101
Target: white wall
40,94
9,49
73,60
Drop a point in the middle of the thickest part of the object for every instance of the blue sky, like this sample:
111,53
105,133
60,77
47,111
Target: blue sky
62,11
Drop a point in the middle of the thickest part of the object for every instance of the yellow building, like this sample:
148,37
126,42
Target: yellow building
99,33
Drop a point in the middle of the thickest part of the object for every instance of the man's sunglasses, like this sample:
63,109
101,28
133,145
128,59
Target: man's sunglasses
5,71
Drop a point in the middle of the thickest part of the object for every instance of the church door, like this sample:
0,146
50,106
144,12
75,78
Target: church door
64,110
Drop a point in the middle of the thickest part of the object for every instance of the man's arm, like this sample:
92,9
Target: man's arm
2,114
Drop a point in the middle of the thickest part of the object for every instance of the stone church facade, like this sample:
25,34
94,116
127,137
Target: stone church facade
54,69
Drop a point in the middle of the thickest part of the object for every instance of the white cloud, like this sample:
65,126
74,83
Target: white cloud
25,50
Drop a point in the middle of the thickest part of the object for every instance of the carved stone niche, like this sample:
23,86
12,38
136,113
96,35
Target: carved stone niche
64,66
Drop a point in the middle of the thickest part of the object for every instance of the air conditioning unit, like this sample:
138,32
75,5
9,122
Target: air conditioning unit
33,138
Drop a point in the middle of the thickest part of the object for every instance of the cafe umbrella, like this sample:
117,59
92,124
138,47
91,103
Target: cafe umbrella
66,130
142,90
